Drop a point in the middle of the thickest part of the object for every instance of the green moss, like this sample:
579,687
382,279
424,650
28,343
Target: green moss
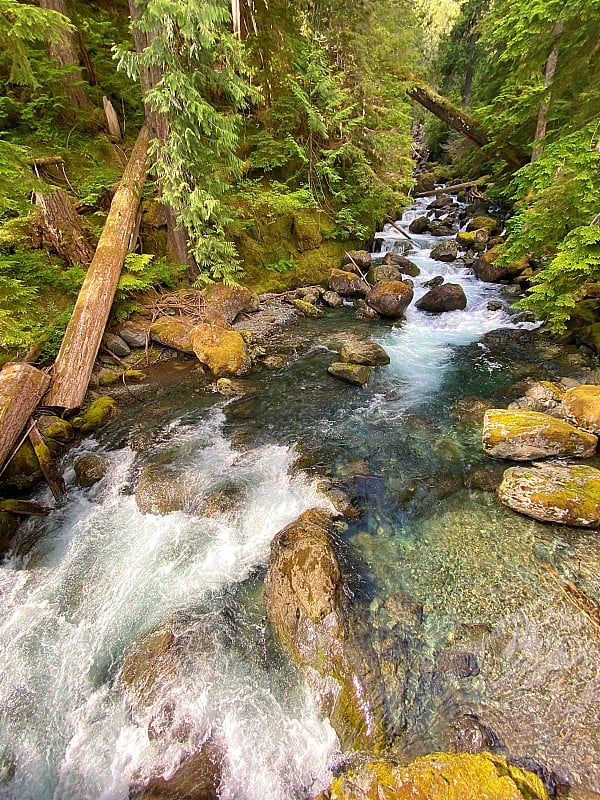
97,414
306,308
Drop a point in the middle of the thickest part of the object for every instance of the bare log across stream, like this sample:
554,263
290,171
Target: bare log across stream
75,360
21,389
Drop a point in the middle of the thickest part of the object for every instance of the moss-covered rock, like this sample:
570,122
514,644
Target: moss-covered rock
306,309
356,374
526,435
472,240
307,229
224,351
582,405
222,304
554,493
332,299
347,284
97,414
490,224
445,251
90,469
439,776
54,429
23,470
306,605
370,354
390,298
172,332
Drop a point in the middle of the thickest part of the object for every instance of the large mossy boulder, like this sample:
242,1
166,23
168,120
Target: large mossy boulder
223,350
446,297
172,332
445,251
582,405
390,298
96,415
307,608
223,304
356,374
489,224
567,494
347,284
439,776
527,435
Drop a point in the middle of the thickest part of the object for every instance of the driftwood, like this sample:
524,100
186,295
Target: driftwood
112,120
455,187
399,229
75,360
24,508
61,227
460,120
53,477
21,389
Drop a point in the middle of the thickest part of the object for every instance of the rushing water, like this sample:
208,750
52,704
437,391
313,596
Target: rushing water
464,614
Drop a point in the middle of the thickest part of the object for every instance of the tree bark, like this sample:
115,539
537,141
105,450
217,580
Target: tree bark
75,360
21,389
61,227
65,53
112,120
53,477
460,120
542,120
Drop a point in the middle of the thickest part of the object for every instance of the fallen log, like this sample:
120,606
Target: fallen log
24,508
74,363
21,389
455,187
461,121
61,227
53,477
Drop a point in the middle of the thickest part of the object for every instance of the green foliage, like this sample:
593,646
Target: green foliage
283,265
141,272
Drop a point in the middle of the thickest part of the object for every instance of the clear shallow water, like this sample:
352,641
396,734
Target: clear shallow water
436,566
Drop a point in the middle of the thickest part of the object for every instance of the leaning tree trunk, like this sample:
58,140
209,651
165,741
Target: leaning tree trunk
75,360
21,389
542,120
64,52
158,122
460,120
61,227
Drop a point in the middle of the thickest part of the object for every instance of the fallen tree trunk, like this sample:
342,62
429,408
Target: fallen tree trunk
61,227
75,360
21,389
461,121
454,187
53,477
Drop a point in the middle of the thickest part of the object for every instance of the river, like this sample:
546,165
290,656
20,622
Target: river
464,616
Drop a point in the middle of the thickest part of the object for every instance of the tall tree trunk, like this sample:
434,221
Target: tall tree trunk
158,124
468,84
236,17
65,53
542,120
75,360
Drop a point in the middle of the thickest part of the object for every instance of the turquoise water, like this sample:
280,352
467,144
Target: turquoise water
461,609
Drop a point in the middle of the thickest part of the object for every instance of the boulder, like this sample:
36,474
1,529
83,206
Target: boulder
307,608
526,435
569,495
55,429
332,299
356,374
390,298
439,776
197,778
149,662
384,272
357,258
489,224
447,297
441,227
441,201
445,251
348,284
419,225
582,405
437,280
370,354
406,266
160,491
172,332
223,304
306,308
489,273
223,350
224,500
473,240
90,469
97,414
135,334
117,345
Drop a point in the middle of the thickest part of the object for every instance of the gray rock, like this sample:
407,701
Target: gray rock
447,297
433,282
134,334
90,469
116,345
332,299
445,251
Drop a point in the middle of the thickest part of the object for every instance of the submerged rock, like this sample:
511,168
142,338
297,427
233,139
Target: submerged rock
197,778
307,607
370,354
356,374
526,435
439,776
348,284
569,494
223,350
390,298
90,469
160,491
447,297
